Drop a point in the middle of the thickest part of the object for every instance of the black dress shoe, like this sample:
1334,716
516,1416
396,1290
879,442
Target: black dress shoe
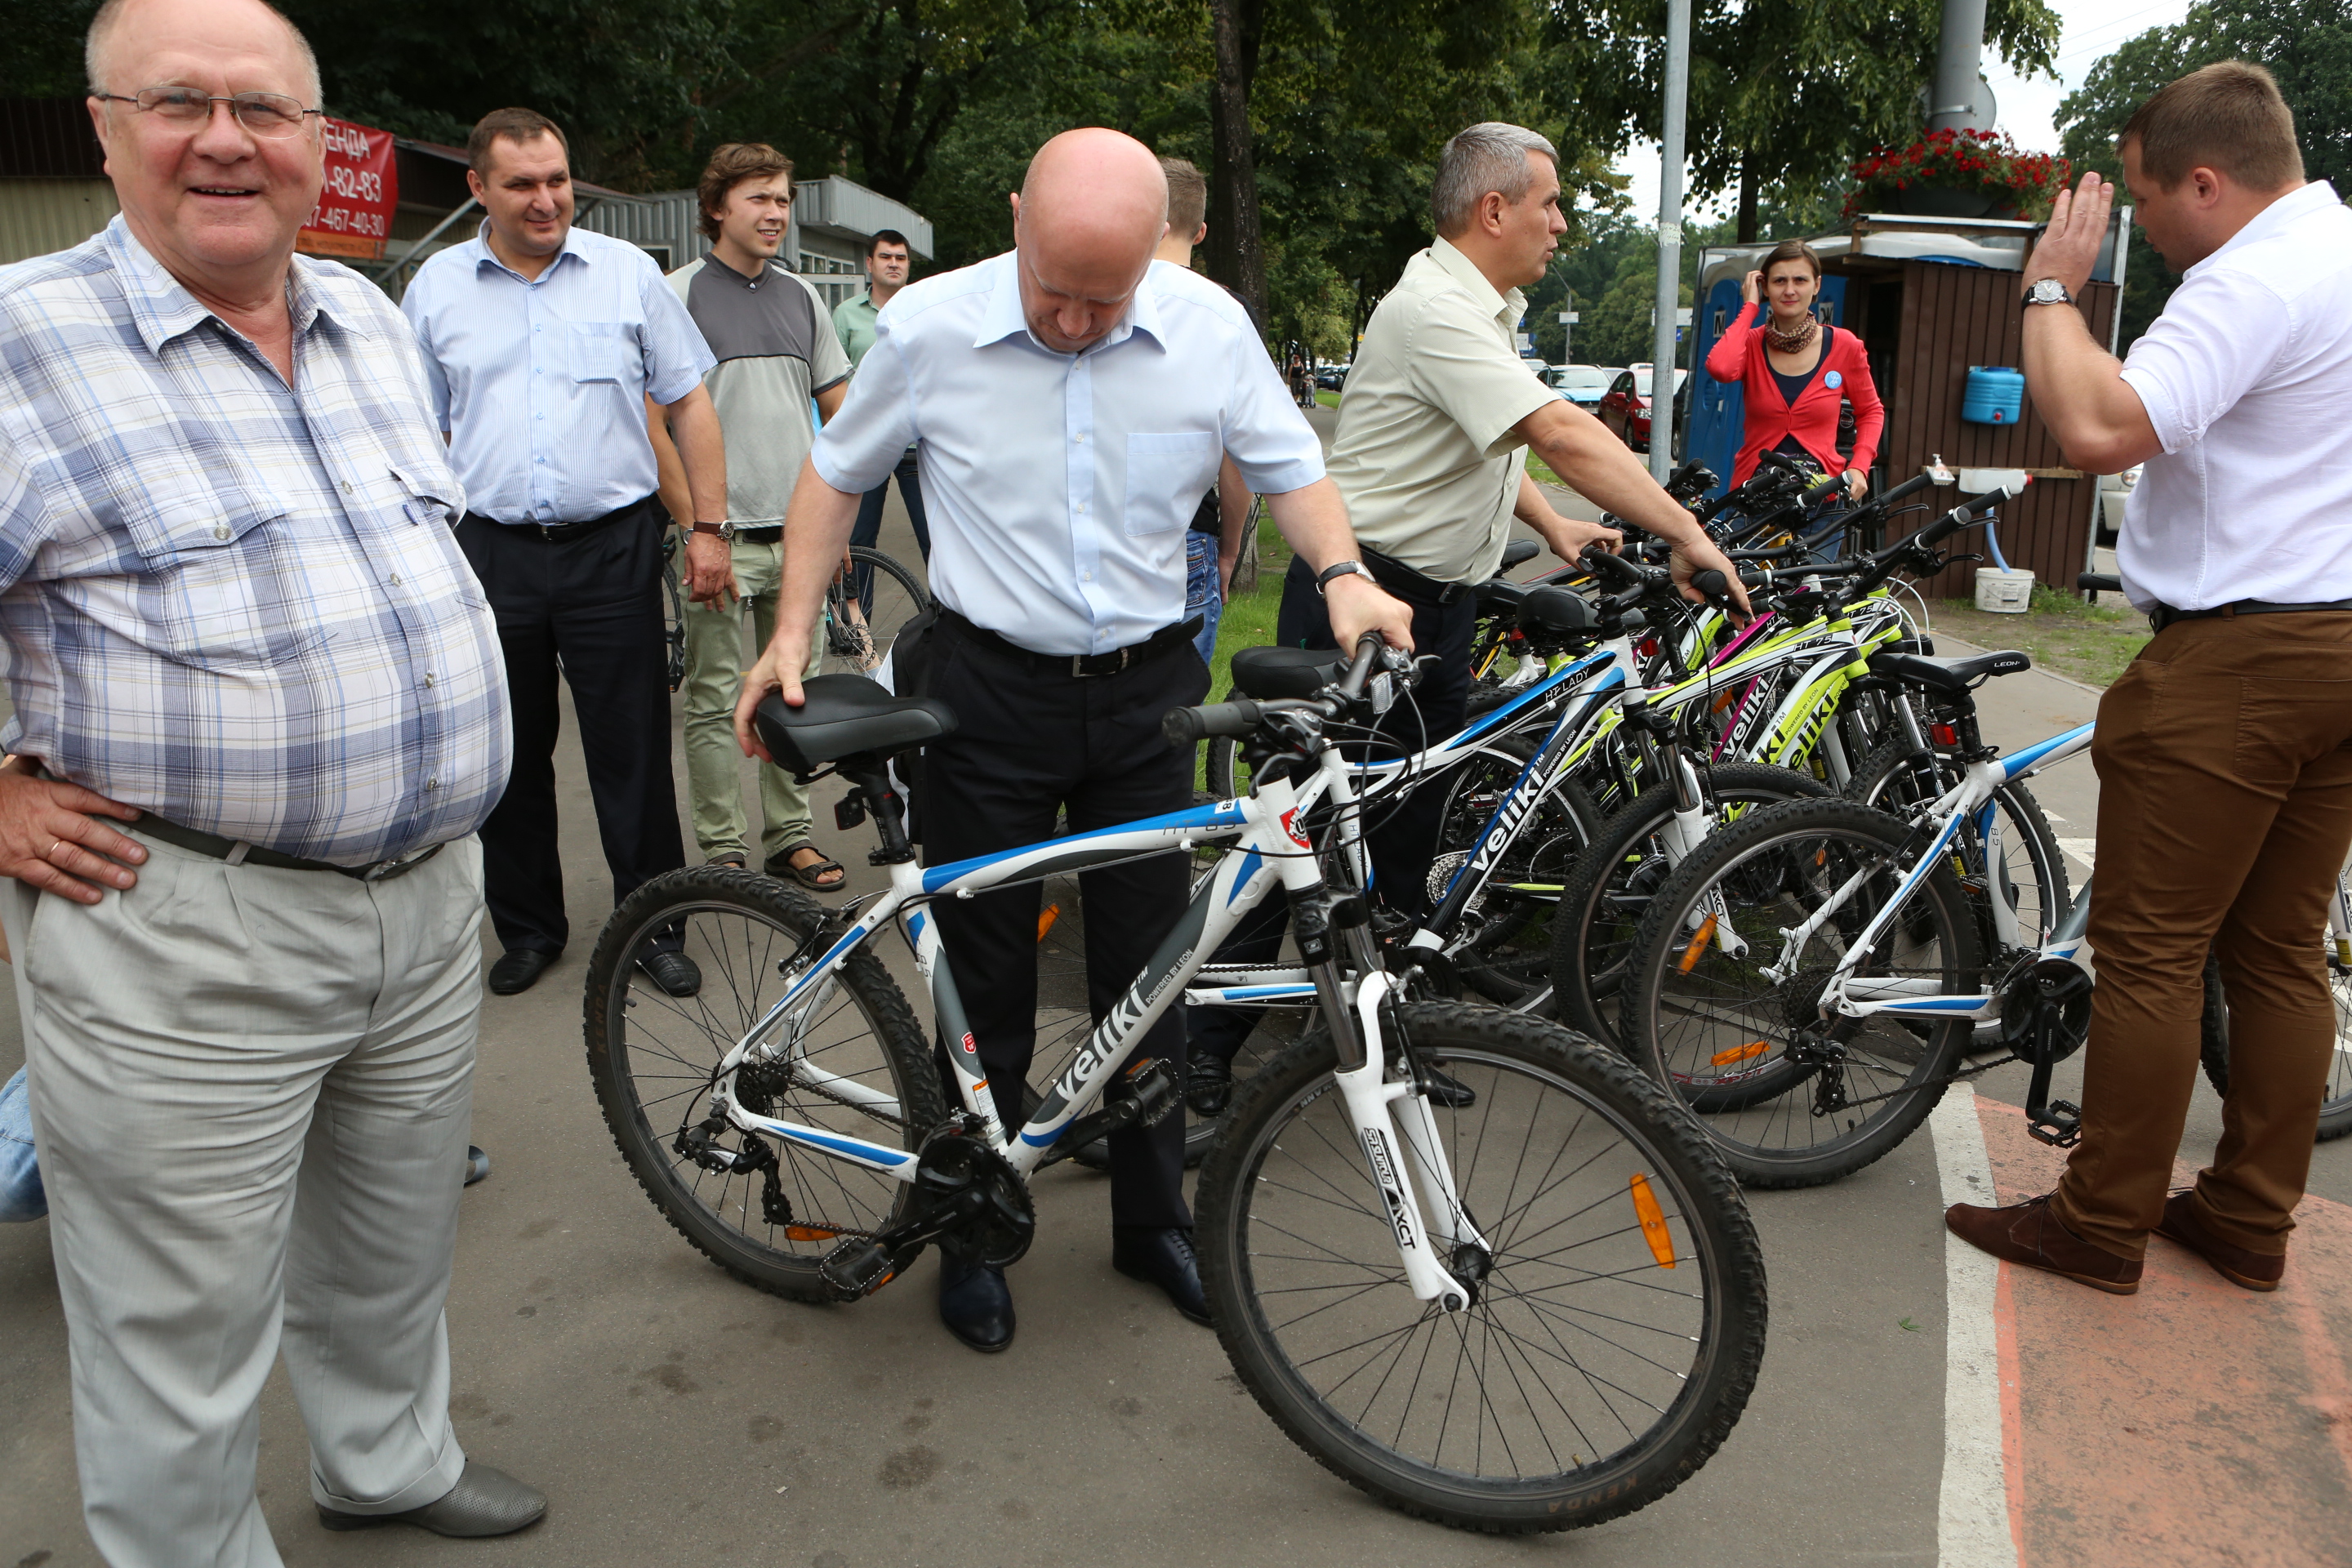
1449,1092
1208,1085
673,971
484,1502
975,1304
1161,1258
518,968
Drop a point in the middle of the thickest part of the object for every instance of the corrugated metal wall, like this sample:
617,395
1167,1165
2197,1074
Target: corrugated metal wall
664,221
37,216
1954,317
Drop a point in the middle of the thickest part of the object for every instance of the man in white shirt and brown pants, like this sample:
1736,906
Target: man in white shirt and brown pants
2225,753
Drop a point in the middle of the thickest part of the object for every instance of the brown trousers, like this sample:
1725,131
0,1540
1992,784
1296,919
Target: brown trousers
2224,756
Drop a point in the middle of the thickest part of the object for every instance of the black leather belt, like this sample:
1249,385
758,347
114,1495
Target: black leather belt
2164,615
1398,577
237,853
761,535
1081,666
565,533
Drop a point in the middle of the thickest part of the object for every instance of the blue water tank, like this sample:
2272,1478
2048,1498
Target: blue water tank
1996,396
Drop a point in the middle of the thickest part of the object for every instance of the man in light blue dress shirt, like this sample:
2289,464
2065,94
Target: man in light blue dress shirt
542,345
1070,403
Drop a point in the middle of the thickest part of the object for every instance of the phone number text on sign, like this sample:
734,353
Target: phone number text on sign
353,217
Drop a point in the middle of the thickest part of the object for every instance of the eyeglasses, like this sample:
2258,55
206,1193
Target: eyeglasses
268,114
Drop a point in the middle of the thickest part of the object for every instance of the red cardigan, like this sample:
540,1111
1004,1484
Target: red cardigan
1843,372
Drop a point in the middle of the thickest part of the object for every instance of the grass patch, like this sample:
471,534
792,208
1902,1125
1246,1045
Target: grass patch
2091,643
1328,399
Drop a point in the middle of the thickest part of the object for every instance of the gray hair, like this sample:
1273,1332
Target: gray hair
102,33
1489,156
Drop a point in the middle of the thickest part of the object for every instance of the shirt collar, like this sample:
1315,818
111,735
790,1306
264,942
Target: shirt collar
1002,317
162,309
2313,197
711,261
1465,271
572,248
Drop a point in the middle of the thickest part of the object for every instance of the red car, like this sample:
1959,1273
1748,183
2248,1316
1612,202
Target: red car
1625,406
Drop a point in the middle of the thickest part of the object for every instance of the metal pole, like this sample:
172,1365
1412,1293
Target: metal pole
1952,101
1670,240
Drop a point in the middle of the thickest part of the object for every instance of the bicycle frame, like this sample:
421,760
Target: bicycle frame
1265,846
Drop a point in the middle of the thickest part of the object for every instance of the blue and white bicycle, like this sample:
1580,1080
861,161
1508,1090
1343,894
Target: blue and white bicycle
1542,1309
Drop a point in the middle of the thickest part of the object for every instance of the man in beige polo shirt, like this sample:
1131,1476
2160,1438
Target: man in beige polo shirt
1434,426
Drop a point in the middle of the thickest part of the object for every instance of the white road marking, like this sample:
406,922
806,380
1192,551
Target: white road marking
1972,1528
2083,849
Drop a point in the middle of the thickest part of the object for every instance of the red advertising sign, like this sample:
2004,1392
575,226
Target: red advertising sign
353,217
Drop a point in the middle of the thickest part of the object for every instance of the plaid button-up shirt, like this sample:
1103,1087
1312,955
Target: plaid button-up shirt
233,603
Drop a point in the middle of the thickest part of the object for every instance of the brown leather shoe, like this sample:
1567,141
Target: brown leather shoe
2028,1233
2254,1270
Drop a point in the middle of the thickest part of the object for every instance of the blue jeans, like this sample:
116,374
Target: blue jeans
1201,596
21,1197
869,513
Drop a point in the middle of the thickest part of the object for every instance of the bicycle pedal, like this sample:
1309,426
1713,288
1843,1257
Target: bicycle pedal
2058,1124
856,1269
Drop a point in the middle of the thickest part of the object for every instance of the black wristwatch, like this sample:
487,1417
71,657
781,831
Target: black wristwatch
2047,291
1344,569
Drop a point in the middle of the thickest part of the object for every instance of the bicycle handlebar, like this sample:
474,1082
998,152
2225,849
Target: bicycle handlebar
1190,726
2099,582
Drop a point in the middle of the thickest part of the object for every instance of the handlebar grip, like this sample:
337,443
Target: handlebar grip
2099,581
1188,726
1822,488
1943,528
1985,504
1906,489
1601,564
1711,582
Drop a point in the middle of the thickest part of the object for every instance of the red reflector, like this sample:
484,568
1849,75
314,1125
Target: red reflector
1649,647
1945,735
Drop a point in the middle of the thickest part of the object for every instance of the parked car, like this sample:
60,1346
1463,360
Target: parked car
1625,406
1332,377
1583,384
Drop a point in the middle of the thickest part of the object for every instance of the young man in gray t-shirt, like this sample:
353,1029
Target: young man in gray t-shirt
776,349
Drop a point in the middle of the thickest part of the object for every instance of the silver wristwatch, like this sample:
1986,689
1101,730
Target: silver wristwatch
2047,291
1344,569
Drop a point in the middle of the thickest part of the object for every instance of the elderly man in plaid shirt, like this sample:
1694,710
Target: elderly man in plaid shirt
260,714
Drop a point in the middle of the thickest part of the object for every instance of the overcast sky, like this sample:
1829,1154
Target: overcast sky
2088,30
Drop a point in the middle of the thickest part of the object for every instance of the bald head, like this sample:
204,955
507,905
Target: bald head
110,55
1089,214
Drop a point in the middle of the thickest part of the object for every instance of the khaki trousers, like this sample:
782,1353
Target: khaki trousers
714,680
2224,756
251,1091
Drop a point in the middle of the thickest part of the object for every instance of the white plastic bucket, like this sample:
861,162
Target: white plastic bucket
2004,592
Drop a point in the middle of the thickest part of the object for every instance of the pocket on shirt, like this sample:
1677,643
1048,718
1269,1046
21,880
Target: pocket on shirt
603,350
1167,475
219,603
422,500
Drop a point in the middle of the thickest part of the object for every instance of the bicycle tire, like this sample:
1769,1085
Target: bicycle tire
1719,1323
625,1018
1890,778
862,641
1768,863
1592,929
2213,1048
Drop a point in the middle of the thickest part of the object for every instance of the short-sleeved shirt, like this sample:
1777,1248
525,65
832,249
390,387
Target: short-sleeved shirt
541,382
1426,456
2247,380
852,323
1058,485
775,350
232,601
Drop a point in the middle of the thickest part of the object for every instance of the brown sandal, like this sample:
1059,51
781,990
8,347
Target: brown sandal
780,866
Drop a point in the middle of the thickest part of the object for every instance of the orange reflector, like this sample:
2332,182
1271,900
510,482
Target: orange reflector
1726,701
1698,947
818,1232
1046,921
1821,857
1748,1052
1653,1222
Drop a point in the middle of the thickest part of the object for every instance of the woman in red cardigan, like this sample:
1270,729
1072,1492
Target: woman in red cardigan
1795,369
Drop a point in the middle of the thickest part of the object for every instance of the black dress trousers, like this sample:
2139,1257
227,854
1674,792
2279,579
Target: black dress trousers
1403,838
588,605
1029,743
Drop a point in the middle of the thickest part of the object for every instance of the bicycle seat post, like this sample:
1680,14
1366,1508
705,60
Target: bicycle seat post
872,779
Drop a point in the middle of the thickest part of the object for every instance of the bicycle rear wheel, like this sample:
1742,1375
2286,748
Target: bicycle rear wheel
2335,1098
1792,1099
864,616
858,1063
1615,1337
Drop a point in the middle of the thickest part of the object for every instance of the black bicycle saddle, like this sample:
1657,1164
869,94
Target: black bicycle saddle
845,715
1949,673
1266,672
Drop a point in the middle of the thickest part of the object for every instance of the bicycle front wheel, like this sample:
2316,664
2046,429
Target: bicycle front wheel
1620,1313
856,1063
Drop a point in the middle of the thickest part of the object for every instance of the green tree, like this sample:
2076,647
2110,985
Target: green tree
2309,48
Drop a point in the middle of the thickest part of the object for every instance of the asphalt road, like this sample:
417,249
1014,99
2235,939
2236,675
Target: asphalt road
675,1415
